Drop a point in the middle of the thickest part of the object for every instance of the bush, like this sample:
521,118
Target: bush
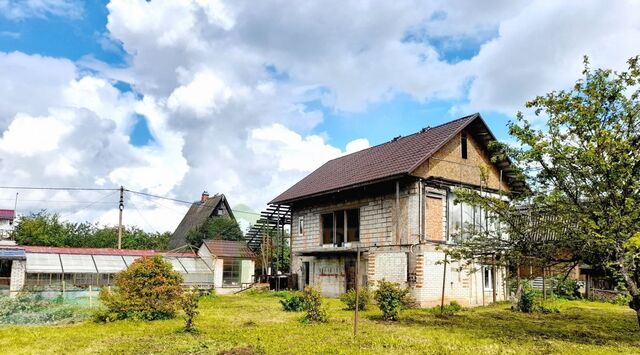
526,302
566,288
25,309
364,298
149,289
391,298
313,305
293,302
189,304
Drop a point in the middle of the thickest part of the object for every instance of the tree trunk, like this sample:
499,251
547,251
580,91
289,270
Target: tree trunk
632,286
635,305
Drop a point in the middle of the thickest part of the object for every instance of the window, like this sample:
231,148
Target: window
231,272
353,225
488,278
327,228
341,226
463,144
300,226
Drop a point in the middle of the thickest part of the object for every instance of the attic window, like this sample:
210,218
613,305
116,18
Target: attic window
463,144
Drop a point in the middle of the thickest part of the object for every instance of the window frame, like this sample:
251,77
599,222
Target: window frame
487,271
300,226
345,227
236,268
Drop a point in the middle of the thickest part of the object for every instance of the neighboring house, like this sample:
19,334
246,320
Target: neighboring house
198,213
233,264
74,271
394,201
6,223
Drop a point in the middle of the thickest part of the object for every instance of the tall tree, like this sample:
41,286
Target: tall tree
583,169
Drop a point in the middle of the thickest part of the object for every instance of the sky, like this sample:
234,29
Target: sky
244,98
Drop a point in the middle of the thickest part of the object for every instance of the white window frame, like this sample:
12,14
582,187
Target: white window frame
488,269
300,226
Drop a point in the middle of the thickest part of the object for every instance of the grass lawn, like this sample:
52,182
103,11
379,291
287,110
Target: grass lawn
256,322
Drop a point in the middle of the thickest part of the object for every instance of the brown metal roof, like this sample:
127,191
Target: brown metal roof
229,248
395,158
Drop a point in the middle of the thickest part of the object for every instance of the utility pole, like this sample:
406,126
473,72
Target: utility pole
355,315
121,208
444,279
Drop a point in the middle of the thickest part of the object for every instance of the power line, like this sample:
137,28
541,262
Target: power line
57,188
183,201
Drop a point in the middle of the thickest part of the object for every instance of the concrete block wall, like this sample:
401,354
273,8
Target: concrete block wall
18,273
390,266
377,222
463,286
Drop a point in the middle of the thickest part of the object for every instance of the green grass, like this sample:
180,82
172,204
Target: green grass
257,322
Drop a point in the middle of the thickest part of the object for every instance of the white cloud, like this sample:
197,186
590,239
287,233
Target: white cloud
28,136
356,145
204,95
221,121
22,9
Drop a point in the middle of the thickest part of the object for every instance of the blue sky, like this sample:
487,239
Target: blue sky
245,98
84,36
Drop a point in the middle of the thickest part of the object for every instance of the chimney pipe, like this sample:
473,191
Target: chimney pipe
204,197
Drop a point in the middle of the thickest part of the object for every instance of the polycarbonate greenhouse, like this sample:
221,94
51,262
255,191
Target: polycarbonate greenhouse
73,268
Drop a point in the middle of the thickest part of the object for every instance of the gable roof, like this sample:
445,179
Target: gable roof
398,157
195,217
229,248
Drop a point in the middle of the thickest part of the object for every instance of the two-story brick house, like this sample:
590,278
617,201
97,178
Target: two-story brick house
395,202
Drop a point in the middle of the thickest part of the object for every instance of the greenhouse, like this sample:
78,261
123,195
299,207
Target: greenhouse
66,269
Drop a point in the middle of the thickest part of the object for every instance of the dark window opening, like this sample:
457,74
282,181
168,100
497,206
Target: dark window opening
341,227
353,225
463,142
327,228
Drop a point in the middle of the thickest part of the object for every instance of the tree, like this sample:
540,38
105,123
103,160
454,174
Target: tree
40,228
583,169
46,229
223,228
148,289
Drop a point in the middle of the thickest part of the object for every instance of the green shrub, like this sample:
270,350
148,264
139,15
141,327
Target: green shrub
26,309
566,288
391,298
526,302
448,310
313,305
293,302
364,299
189,304
149,289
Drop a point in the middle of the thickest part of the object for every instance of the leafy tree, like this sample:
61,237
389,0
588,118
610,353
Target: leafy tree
223,228
583,170
148,289
46,229
40,228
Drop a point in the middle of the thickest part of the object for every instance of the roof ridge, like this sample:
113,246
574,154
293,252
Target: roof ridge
397,138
